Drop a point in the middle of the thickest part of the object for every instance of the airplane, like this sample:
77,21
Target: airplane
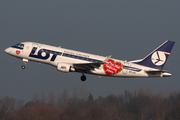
66,60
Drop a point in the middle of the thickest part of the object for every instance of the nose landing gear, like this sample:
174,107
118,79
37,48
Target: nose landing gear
25,61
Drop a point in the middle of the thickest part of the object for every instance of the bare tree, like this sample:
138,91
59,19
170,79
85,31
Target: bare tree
59,100
75,95
64,98
7,104
35,99
19,104
90,98
84,93
51,98
43,98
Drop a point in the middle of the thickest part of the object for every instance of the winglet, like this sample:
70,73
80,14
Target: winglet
107,58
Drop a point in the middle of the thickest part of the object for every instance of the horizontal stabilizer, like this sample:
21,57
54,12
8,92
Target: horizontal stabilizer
163,73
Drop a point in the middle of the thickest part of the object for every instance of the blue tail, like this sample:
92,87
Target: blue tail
157,58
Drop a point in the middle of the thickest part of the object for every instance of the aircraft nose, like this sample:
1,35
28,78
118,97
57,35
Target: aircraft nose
7,50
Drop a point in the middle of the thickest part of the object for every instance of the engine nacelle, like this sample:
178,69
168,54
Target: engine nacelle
63,67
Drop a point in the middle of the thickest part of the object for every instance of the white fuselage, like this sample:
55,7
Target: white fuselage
53,55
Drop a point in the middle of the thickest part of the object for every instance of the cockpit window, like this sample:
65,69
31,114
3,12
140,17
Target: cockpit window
18,46
22,45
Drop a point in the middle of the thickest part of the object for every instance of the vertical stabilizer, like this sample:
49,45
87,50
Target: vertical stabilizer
157,58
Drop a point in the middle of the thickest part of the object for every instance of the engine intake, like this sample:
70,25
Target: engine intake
63,67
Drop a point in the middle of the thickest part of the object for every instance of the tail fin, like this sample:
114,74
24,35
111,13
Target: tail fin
157,58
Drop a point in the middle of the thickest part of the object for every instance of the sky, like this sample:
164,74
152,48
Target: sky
125,29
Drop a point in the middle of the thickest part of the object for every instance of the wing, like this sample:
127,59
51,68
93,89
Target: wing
85,67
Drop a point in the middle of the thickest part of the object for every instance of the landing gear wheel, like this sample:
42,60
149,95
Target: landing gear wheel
25,63
83,78
23,66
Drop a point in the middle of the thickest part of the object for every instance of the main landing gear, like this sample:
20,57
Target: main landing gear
25,61
83,78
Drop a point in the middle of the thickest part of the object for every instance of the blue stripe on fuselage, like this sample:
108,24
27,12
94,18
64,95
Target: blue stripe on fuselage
95,61
17,47
131,68
81,58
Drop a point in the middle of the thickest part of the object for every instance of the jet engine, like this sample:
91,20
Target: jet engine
63,67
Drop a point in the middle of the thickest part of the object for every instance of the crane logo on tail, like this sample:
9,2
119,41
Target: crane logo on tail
159,58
